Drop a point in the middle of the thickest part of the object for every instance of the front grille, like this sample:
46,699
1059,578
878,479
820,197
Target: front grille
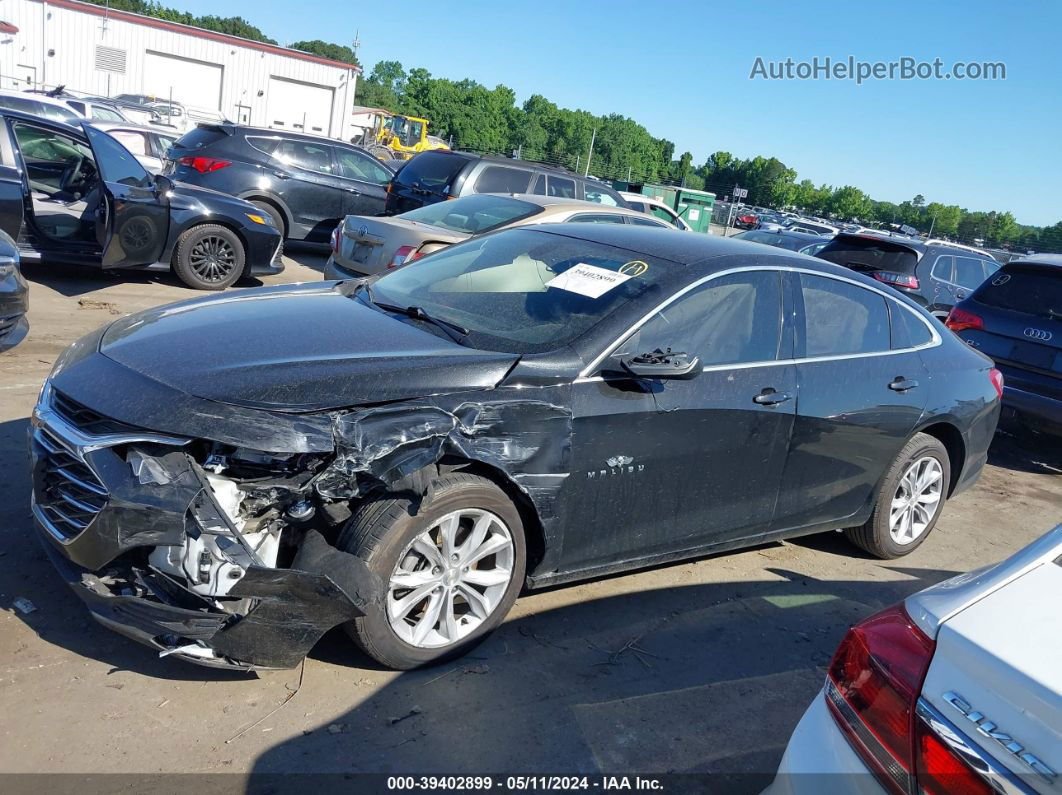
85,419
69,493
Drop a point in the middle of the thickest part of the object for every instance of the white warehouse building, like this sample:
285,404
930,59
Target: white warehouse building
94,50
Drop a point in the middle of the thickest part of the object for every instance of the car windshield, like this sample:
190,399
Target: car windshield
473,214
522,291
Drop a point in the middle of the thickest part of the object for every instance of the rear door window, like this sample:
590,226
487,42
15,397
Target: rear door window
540,186
304,154
649,222
969,272
502,179
105,114
842,318
559,186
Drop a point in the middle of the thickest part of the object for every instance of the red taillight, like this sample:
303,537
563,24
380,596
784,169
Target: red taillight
337,235
872,689
204,165
908,280
960,320
996,378
403,255
940,771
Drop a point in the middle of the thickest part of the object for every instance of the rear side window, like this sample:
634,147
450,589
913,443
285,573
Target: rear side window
432,171
105,114
944,268
1032,289
356,165
649,222
502,179
842,318
863,254
907,330
540,186
596,218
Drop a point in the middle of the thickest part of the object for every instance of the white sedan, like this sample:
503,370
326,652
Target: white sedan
956,690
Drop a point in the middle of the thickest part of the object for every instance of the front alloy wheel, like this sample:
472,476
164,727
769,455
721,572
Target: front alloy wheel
450,579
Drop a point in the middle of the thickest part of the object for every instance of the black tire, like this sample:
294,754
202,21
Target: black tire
381,152
381,531
193,252
278,222
875,536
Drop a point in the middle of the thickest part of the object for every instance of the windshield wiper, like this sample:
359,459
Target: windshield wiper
452,330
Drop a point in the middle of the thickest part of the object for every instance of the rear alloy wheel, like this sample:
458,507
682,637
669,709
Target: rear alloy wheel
209,257
909,500
450,569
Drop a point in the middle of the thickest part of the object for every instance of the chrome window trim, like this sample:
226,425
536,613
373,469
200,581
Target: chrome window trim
997,776
935,338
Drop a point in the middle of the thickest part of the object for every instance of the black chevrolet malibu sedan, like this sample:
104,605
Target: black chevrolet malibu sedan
535,406
74,194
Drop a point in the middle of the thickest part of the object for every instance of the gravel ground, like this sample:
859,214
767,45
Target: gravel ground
699,666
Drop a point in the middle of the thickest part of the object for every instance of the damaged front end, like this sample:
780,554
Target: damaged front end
224,555
202,550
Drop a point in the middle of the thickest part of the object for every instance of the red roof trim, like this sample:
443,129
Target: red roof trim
188,30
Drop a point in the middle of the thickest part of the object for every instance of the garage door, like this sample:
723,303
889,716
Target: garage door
195,83
302,107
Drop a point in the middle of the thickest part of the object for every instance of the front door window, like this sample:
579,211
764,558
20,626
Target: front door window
63,182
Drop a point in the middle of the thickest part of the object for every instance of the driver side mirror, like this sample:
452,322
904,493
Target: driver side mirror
163,183
662,364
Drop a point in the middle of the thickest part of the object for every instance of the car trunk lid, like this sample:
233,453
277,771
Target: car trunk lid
996,674
370,244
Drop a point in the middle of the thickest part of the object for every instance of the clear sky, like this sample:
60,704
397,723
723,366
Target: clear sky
682,70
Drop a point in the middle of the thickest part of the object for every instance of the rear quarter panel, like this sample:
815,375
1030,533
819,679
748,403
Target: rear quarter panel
961,394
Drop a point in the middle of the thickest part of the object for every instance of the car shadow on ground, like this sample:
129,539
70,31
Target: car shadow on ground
1022,451
310,255
75,281
656,681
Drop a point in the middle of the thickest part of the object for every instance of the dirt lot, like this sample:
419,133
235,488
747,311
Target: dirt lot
702,666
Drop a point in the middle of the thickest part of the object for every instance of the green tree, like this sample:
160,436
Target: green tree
850,204
337,52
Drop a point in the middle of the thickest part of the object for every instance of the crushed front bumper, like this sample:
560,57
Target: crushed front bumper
97,520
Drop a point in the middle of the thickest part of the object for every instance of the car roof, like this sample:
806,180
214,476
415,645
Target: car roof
512,161
37,97
559,201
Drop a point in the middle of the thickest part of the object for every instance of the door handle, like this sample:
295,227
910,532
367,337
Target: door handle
771,397
901,384
355,191
281,175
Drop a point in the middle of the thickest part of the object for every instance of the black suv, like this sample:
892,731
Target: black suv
305,183
934,273
439,175
1016,318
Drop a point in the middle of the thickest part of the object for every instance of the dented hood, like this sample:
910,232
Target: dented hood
295,348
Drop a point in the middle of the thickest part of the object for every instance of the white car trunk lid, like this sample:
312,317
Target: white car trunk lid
999,661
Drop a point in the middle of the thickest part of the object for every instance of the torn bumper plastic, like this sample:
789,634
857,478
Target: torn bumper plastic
290,609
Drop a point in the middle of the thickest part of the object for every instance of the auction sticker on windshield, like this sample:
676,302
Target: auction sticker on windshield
588,280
